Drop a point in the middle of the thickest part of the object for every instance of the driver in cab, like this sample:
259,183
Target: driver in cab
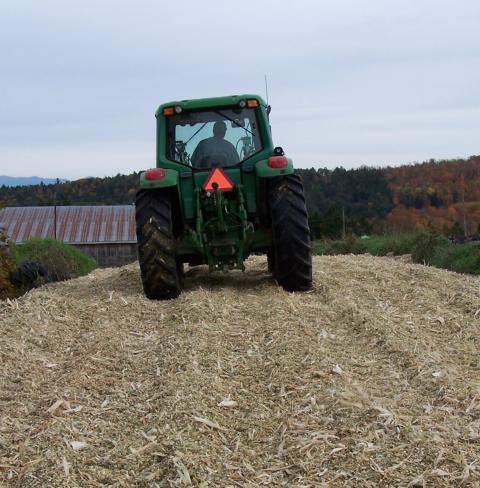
215,150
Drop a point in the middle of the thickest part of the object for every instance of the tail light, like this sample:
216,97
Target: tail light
278,162
155,174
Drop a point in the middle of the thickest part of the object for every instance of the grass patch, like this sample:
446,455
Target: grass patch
375,245
462,258
425,248
59,259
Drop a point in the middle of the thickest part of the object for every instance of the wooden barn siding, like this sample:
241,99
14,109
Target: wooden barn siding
110,255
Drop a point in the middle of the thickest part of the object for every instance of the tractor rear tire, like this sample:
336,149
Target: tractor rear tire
292,253
160,270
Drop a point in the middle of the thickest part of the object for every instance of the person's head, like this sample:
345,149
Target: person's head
219,129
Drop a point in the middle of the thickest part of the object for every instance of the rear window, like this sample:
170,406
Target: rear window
214,137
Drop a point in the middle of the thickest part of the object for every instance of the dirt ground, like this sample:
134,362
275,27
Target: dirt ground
371,379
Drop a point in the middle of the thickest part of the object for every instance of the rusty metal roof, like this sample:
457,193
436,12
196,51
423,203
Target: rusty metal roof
75,224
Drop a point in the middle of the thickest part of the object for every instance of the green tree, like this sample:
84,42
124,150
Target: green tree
332,223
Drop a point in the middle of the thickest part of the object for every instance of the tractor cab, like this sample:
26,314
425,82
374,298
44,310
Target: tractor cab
204,138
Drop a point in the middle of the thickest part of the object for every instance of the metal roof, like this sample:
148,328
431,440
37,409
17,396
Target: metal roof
75,224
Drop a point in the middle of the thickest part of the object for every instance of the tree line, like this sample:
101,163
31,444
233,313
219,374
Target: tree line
443,196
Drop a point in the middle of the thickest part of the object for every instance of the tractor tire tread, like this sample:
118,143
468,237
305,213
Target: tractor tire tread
156,245
291,233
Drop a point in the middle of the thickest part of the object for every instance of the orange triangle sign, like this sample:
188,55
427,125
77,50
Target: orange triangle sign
218,176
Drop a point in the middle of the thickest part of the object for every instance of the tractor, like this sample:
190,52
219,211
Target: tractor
220,192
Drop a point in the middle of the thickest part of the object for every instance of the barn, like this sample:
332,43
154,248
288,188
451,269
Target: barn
107,233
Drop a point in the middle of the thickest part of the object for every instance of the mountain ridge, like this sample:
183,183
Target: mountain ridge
6,180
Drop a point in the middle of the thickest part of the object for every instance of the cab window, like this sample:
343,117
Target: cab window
207,138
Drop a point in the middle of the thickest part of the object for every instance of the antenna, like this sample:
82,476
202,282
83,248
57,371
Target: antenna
266,88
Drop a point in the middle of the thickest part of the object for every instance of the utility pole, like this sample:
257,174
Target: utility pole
463,207
343,222
55,215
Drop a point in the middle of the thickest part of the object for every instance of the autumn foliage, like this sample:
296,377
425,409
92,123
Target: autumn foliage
438,196
443,196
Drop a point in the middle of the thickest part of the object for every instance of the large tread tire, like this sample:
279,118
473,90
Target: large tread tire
160,271
292,253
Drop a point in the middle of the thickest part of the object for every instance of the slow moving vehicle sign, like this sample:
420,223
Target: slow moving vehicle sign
218,176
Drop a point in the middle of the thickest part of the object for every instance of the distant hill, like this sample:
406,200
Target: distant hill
27,180
439,195
112,190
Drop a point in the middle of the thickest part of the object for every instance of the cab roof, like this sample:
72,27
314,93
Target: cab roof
209,102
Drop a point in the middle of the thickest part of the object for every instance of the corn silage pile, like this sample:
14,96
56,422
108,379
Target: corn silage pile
371,379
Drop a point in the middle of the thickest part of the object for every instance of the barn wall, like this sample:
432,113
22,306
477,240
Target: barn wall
110,255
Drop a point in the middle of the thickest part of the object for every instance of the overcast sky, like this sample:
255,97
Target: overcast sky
351,82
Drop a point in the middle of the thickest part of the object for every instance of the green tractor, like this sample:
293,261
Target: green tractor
220,192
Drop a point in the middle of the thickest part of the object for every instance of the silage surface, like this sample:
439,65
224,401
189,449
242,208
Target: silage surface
371,379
